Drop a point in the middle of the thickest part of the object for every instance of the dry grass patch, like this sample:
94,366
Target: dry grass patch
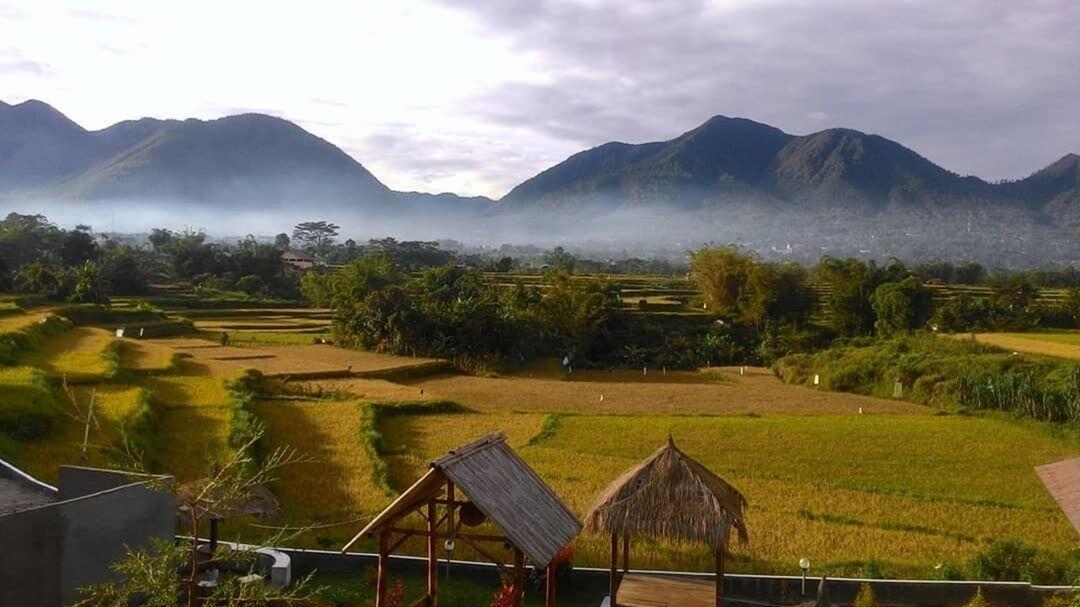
357,360
758,392
77,354
372,390
15,322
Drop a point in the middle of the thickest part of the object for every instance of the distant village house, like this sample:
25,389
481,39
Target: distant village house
300,260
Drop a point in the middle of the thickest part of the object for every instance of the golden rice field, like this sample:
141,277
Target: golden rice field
757,392
190,438
63,445
337,483
835,489
77,354
1062,344
895,483
14,322
145,357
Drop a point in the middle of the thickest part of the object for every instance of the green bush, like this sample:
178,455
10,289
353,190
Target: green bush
1011,560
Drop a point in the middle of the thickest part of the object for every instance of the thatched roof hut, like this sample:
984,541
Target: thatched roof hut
669,496
482,480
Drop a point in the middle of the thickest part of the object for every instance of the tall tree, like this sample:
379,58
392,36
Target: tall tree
316,236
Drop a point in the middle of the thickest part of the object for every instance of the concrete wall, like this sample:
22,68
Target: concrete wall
48,552
592,584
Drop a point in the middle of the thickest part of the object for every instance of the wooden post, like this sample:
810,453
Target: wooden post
380,579
720,577
626,554
613,581
432,555
519,576
549,586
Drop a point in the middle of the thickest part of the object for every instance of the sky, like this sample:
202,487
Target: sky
475,96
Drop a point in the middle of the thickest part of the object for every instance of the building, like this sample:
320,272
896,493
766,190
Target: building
300,260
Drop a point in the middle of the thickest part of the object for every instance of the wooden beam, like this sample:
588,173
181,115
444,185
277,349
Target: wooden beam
720,577
484,553
626,554
613,581
549,587
519,577
380,579
433,557
406,535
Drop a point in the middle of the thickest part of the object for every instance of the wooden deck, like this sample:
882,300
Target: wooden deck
638,590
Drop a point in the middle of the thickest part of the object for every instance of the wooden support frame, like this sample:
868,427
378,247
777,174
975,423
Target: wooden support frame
428,511
720,577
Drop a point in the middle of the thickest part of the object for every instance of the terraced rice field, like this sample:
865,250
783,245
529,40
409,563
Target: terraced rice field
337,484
18,320
145,357
111,405
78,354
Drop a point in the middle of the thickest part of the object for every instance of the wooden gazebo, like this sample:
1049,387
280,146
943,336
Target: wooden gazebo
481,481
668,496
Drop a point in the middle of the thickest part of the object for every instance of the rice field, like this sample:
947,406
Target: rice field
63,445
145,357
18,320
78,354
758,392
837,478
837,490
1061,344
337,484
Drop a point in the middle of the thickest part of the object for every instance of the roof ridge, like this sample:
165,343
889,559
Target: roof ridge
484,442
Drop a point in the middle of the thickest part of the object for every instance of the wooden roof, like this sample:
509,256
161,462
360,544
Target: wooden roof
670,496
502,486
1062,480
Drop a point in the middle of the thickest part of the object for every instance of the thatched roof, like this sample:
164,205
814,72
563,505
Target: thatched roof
504,488
673,497
1062,480
258,501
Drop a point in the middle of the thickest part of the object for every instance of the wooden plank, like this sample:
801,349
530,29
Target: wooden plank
638,590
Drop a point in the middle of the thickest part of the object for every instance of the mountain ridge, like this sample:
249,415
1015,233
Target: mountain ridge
256,159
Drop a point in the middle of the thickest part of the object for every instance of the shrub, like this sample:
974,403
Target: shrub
866,596
1012,560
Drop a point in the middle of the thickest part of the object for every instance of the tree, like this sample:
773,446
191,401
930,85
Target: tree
89,286
78,246
316,236
282,241
124,270
900,306
559,258
167,574
251,285
161,238
850,282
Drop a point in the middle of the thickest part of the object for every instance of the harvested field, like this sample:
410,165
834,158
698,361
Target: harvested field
196,386
759,392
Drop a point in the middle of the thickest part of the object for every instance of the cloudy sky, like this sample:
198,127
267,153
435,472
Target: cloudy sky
473,96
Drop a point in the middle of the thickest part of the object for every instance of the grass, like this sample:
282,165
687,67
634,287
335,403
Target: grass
78,354
13,321
197,385
191,437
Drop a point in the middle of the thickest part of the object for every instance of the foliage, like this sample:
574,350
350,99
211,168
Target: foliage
168,573
315,236
977,599
1012,560
865,597
900,306
737,286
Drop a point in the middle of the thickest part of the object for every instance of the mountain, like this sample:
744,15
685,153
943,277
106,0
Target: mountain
723,156
248,161
734,163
